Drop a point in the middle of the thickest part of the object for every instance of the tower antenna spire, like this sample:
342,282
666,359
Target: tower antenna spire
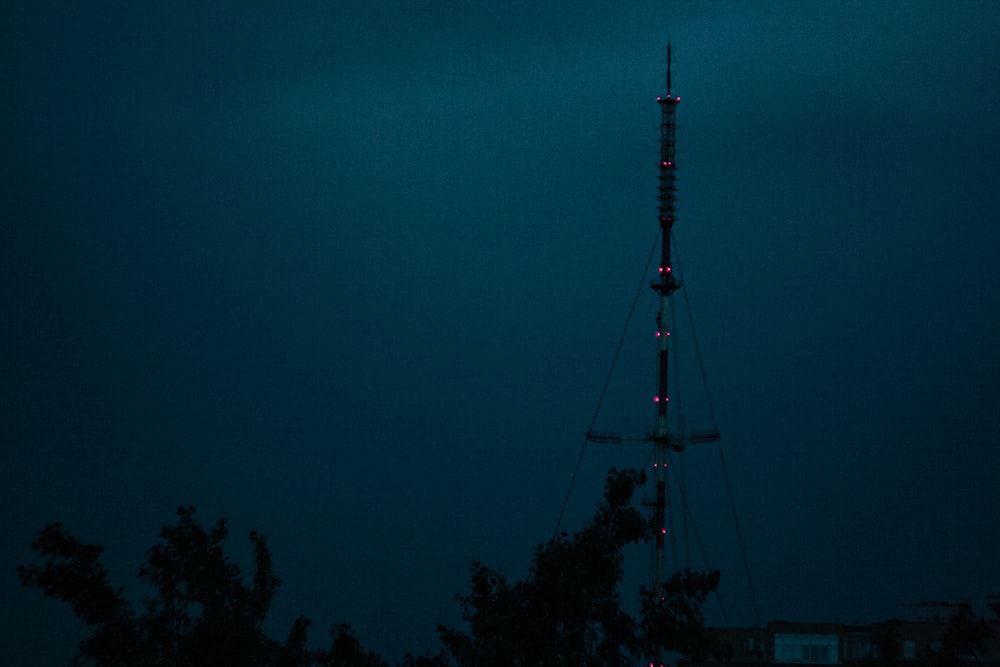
664,439
668,66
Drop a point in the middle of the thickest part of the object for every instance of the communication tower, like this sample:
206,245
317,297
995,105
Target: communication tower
665,284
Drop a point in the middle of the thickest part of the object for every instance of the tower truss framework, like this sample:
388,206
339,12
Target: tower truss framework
664,284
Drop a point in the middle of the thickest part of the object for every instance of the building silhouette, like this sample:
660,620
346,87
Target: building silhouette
926,633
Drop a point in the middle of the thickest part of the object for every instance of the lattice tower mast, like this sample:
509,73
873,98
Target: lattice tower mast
664,285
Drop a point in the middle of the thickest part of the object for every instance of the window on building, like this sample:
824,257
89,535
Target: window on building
857,648
909,649
810,649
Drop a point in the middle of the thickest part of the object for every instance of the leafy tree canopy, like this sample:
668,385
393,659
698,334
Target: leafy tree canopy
567,611
965,636
203,613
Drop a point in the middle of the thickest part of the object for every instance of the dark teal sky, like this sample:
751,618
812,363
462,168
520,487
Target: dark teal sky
352,274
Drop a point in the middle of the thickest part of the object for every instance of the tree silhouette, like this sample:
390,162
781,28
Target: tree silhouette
889,645
965,636
568,610
203,613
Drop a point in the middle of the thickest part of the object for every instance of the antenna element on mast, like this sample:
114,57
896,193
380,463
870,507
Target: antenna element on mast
668,67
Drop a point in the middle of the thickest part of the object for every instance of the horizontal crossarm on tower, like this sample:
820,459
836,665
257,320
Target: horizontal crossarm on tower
676,443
